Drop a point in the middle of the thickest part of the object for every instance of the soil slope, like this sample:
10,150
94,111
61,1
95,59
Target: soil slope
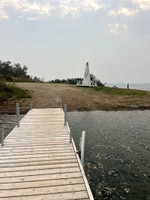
81,99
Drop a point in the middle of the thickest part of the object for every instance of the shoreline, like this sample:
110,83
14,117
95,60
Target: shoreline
46,95
24,111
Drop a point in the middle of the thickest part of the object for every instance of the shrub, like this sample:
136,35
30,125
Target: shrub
9,91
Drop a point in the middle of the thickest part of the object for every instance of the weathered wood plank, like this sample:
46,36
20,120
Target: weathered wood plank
48,149
38,177
42,190
37,163
35,155
35,146
41,183
38,172
33,151
48,166
34,159
82,195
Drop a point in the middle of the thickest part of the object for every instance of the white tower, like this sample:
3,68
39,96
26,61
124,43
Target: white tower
86,80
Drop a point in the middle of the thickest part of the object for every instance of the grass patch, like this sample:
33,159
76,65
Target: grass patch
121,91
8,91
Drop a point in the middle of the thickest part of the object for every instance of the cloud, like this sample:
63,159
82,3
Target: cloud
112,12
45,7
116,28
127,11
76,7
124,11
3,14
143,4
28,8
32,18
137,6
90,5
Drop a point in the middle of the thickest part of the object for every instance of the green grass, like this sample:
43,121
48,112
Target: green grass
12,92
120,91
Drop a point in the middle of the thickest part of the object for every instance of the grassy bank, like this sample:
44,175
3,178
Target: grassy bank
121,91
9,95
87,99
44,95
8,92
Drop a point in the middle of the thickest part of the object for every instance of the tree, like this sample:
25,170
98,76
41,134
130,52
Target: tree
94,79
25,69
7,69
99,83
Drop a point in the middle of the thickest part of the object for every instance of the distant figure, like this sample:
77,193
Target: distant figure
128,86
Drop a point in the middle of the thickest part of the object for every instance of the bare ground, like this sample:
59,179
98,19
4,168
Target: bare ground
44,95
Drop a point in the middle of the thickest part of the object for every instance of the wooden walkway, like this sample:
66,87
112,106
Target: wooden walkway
38,162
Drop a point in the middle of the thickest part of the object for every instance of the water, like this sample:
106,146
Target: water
8,122
139,86
117,154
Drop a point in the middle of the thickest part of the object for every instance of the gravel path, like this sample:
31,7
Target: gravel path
80,99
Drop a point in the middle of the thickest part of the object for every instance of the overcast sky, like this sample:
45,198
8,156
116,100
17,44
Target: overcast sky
55,38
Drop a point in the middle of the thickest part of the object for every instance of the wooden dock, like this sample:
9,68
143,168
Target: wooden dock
38,162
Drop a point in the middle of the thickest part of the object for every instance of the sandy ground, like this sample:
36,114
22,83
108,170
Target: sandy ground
45,95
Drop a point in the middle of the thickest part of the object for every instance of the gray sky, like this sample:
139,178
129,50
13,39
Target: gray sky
55,38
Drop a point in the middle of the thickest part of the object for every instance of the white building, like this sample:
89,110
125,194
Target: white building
87,80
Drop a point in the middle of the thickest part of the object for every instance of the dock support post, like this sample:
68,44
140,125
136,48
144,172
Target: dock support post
31,105
2,137
82,147
65,114
18,114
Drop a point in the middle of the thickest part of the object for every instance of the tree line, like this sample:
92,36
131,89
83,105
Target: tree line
75,80
9,69
66,81
15,72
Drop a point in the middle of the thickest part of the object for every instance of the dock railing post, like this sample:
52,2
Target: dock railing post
65,114
82,147
2,137
18,114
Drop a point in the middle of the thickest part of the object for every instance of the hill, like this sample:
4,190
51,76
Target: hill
83,99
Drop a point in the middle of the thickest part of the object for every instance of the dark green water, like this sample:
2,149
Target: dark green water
8,122
117,154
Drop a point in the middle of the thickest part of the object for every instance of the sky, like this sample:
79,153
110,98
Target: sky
55,38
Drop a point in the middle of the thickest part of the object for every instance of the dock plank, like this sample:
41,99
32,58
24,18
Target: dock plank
38,172
42,190
79,195
37,177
